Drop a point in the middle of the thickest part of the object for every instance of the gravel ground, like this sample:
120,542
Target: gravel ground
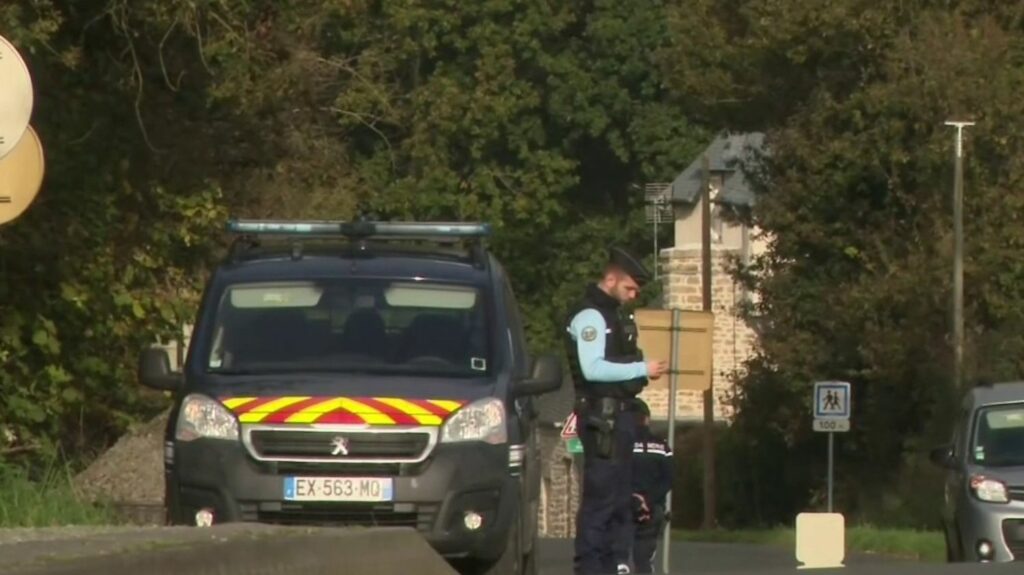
132,471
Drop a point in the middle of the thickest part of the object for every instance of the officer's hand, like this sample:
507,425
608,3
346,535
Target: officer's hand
656,368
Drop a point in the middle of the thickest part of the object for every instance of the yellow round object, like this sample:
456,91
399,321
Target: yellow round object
16,97
21,176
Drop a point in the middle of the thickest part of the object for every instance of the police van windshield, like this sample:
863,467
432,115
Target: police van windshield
999,436
372,326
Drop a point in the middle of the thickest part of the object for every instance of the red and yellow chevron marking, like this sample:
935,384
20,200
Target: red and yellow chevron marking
351,410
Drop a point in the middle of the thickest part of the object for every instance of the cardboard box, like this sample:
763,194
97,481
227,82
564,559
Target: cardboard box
693,349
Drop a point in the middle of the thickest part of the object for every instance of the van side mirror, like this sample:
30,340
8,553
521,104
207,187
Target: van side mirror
155,370
942,456
545,376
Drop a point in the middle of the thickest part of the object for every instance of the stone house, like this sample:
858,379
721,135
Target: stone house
680,273
560,477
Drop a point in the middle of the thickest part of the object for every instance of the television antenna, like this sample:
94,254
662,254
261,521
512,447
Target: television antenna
658,210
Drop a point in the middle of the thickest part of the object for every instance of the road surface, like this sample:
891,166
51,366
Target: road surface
694,558
736,559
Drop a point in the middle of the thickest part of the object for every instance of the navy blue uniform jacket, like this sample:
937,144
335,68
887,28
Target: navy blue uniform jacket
652,467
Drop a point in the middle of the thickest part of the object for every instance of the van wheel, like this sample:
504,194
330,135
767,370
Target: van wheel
953,554
530,560
510,562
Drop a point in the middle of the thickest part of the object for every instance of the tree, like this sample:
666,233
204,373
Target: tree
161,117
855,198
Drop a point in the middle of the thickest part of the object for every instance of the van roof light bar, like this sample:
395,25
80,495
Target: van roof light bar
360,229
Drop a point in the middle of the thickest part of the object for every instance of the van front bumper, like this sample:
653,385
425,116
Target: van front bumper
1000,525
433,496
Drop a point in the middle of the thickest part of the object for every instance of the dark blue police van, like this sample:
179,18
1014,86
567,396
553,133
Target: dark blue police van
360,373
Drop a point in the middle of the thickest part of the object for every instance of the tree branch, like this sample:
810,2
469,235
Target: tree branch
362,120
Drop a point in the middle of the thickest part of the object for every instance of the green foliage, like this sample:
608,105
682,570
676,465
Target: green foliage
160,117
536,118
108,257
855,198
45,500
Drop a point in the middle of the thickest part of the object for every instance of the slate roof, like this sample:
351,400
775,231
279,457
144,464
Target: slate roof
727,152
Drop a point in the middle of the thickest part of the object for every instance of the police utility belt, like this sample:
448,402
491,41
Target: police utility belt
598,414
597,404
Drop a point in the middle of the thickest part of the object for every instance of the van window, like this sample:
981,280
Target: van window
363,325
999,436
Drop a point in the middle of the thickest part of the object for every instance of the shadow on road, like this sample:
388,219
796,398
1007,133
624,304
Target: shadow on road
726,558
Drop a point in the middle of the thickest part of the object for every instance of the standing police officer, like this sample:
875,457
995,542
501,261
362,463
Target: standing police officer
652,480
608,372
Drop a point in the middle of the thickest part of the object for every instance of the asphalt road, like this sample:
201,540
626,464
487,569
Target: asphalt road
694,558
735,559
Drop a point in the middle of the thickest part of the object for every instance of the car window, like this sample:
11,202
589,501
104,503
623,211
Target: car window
379,326
999,436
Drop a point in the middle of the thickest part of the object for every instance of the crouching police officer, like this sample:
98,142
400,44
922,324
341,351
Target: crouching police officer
652,480
608,372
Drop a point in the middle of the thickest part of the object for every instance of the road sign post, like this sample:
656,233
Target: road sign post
831,416
685,338
673,389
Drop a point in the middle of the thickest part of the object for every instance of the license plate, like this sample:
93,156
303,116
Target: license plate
338,489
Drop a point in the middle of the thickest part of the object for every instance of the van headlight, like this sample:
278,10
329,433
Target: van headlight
482,420
989,490
201,416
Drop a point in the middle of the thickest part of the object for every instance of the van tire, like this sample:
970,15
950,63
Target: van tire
511,560
509,563
530,559
953,552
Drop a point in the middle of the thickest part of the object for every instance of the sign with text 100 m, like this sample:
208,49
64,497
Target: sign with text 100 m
831,406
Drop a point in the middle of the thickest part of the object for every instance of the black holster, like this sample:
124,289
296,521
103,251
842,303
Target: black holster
599,417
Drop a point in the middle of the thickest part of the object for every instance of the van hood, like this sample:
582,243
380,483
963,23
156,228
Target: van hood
344,398
1012,476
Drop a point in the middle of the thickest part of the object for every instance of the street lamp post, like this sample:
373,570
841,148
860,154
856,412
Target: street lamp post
958,254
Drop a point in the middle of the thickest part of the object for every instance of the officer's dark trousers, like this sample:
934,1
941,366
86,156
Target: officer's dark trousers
605,513
645,542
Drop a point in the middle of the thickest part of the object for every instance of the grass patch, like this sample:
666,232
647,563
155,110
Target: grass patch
48,501
904,543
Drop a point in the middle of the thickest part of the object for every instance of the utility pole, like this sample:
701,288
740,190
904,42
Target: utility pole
709,396
958,254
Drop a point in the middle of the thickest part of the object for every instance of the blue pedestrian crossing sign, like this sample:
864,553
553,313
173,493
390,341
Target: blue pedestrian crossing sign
831,400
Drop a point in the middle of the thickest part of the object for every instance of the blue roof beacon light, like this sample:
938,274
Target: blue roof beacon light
362,229
284,227
428,229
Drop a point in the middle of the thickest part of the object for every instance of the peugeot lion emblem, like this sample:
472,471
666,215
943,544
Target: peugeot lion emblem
340,445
